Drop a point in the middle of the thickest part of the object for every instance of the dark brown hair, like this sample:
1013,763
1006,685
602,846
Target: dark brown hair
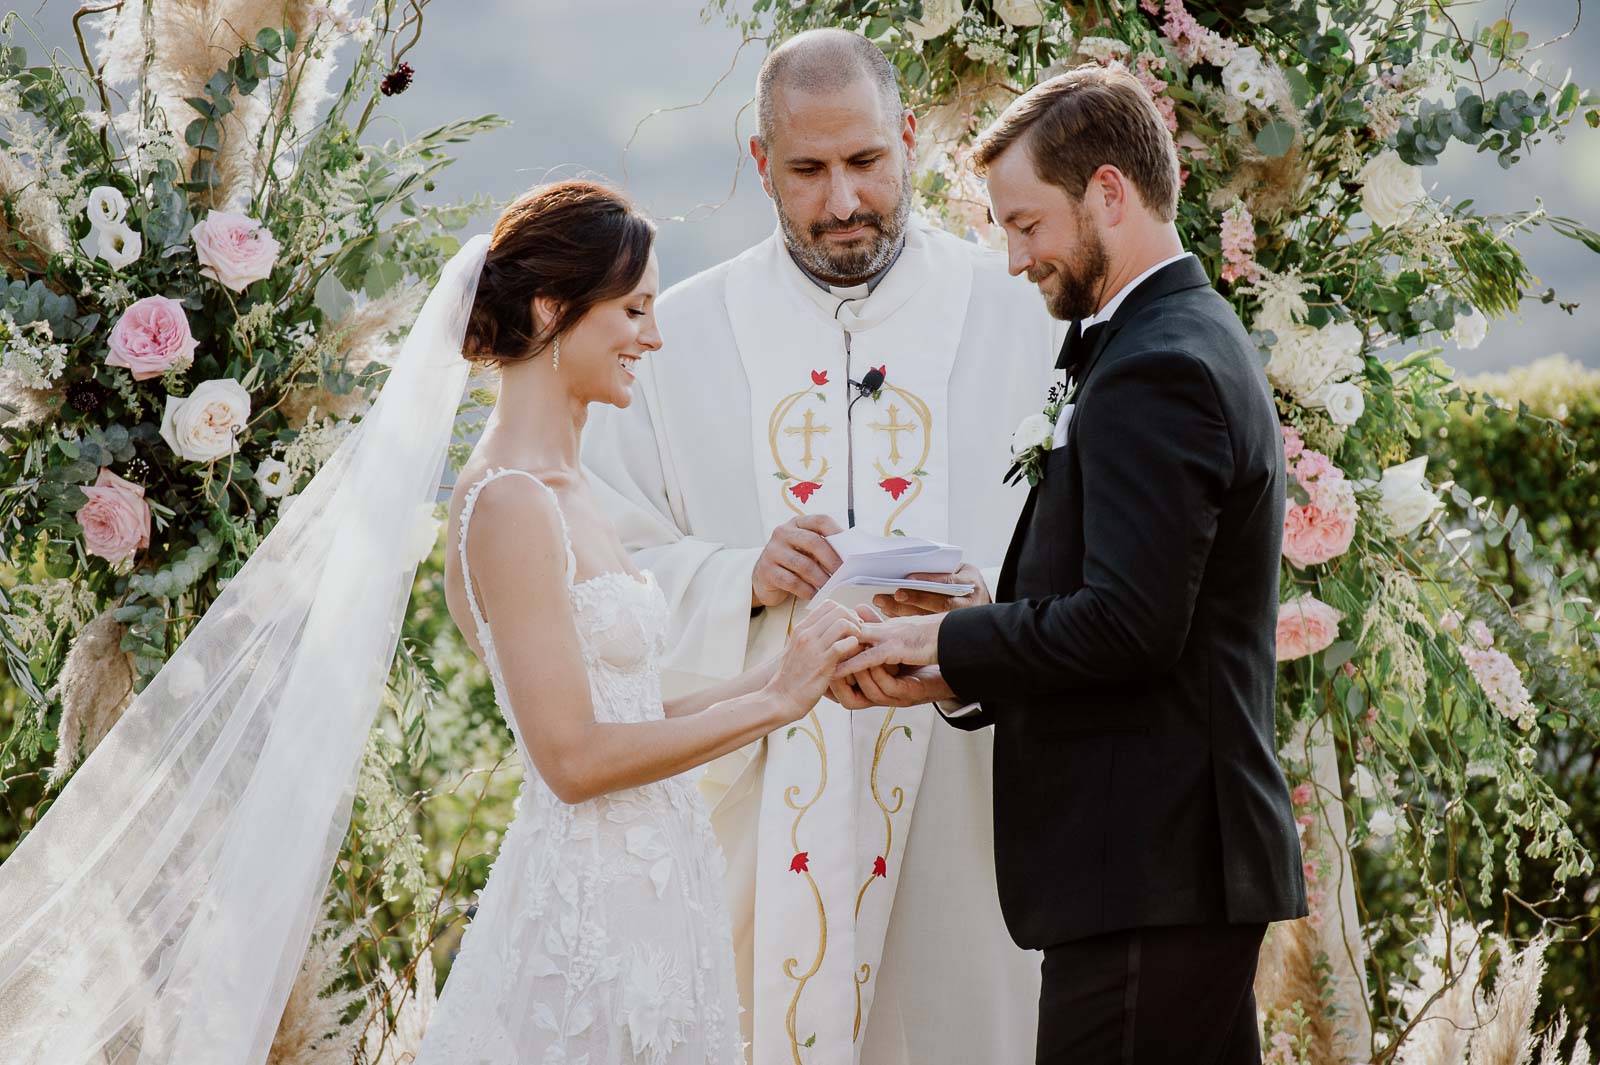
1087,118
577,242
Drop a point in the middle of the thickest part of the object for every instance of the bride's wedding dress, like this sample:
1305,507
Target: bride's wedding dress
602,936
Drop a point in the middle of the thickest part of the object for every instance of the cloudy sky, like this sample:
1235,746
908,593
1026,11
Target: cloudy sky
577,77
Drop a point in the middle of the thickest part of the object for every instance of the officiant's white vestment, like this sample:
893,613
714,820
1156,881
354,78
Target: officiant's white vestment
861,876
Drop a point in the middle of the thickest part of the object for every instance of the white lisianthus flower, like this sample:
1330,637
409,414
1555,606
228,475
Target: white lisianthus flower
1404,499
1034,431
1343,401
939,17
1245,77
117,245
107,206
1382,824
1366,784
274,477
203,426
1390,189
1470,330
1020,12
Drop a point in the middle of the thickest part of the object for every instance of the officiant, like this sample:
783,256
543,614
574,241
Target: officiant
855,369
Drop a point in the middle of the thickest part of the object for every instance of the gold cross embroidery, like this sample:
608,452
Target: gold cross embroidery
894,427
808,431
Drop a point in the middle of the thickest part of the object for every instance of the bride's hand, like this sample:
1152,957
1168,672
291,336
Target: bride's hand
827,636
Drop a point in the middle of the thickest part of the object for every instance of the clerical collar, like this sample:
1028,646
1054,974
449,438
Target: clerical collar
1104,313
853,292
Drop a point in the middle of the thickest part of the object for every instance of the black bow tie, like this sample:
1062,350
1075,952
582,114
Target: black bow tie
1078,344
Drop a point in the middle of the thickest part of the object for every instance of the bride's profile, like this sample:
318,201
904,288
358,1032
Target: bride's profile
159,910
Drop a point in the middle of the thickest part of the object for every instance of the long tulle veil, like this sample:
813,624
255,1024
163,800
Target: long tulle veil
159,910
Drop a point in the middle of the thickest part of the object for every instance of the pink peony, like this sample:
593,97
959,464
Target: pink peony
233,249
116,519
1322,529
1306,625
151,337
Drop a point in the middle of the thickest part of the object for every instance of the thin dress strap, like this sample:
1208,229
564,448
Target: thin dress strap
466,516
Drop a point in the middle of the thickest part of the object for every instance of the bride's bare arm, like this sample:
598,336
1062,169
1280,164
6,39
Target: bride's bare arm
751,680
518,567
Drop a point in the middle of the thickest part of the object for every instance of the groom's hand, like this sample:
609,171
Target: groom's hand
908,603
797,561
897,642
890,686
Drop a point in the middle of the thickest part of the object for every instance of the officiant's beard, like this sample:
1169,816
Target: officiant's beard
847,266
1077,287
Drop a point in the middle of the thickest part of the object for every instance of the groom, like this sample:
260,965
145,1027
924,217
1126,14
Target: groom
1143,833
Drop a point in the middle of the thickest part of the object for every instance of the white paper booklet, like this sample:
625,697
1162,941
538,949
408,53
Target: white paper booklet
875,565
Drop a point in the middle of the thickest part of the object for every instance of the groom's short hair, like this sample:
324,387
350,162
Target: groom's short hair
1089,117
820,61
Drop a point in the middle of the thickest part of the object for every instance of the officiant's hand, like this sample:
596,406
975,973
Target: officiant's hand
907,603
825,637
796,561
890,686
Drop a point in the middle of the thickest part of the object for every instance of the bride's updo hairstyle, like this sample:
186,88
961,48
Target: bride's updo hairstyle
577,242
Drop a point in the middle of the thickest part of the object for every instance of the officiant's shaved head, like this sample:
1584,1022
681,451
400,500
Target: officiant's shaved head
819,62
834,147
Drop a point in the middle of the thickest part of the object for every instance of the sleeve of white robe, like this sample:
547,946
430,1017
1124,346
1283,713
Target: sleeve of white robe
707,584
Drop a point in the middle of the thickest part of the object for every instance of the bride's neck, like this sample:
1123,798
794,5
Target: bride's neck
536,421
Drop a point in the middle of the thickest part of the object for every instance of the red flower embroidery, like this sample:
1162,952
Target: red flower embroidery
880,867
799,863
819,377
803,490
895,486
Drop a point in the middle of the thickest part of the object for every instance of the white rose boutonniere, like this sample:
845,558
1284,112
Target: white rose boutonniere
1032,440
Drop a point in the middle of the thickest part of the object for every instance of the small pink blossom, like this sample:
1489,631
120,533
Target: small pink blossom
1313,466
1293,443
1479,634
152,337
1450,621
1192,41
233,249
1497,675
1301,794
1306,625
116,519
1238,233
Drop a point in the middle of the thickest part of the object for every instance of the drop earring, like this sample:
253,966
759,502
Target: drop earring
555,355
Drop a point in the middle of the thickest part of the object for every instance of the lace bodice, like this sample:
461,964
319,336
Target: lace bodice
602,936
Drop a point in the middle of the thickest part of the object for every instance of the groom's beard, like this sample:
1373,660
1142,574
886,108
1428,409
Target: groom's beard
1078,287
848,265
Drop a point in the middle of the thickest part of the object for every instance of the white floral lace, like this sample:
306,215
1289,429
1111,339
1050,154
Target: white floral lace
602,936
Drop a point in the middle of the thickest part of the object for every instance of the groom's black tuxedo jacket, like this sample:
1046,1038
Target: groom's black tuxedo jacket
1128,666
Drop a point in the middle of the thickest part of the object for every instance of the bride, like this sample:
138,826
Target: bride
159,910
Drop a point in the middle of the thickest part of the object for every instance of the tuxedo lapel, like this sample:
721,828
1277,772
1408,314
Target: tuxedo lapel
1008,569
1184,274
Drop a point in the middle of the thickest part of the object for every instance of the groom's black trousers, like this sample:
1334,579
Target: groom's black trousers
1152,996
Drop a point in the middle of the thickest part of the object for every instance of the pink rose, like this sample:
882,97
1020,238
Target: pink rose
1322,529
151,338
1312,466
116,519
1306,625
233,249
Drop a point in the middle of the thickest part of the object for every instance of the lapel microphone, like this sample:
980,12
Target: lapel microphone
870,382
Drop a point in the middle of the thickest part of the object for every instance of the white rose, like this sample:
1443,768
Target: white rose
1381,824
1366,784
939,17
116,244
1404,498
1390,189
1306,361
1034,431
202,427
1020,12
1343,401
107,206
1470,331
1245,77
273,477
